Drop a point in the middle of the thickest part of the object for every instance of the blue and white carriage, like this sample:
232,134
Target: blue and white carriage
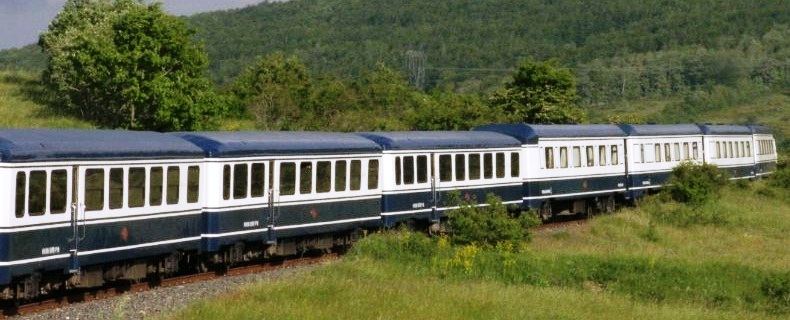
419,169
654,150
266,186
763,148
93,197
569,168
729,147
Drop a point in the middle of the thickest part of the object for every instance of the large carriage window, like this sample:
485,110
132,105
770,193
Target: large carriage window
677,151
500,165
226,182
240,181
549,158
667,153
323,176
136,187
748,149
488,165
590,156
657,152
340,175
408,170
193,184
601,155
694,151
356,174
743,149
116,188
474,166
37,197
445,167
577,157
173,184
422,169
615,156
305,177
58,189
685,150
287,178
94,189
156,186
21,194
514,164
737,150
257,180
460,167
373,174
641,149
397,171
563,157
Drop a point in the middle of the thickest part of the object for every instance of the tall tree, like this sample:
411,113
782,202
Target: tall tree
540,92
125,64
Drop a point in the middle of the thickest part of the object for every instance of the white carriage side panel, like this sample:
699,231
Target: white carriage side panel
643,157
761,153
390,159
567,158
501,175
729,150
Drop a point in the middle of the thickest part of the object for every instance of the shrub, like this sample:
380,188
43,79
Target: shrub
777,289
487,225
696,184
780,178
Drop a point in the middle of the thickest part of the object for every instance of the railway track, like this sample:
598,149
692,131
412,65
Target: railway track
76,297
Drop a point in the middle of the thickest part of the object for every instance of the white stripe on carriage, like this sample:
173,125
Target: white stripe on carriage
318,224
557,195
397,213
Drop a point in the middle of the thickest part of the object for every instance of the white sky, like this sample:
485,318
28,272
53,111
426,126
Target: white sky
22,20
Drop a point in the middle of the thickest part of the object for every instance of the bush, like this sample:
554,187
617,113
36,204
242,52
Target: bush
487,225
696,184
777,289
780,178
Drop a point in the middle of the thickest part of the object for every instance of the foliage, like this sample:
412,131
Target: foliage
487,225
777,288
780,178
124,64
696,184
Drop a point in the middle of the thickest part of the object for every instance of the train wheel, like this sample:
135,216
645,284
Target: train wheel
609,207
589,210
545,211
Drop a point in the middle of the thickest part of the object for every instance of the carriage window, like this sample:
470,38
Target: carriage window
226,182
474,166
641,148
748,149
730,151
514,164
94,189
445,168
323,176
590,156
694,151
193,184
563,157
58,189
615,157
21,194
743,149
677,151
397,171
37,193
685,150
305,177
257,180
136,187
240,181
657,152
173,184
408,170
156,186
577,157
500,165
737,150
422,169
356,174
340,175
373,174
116,188
287,178
601,155
460,167
667,153
488,166
549,158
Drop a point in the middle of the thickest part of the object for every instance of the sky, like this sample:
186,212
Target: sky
22,20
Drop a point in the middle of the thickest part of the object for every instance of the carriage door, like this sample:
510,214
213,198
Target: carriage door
77,206
273,199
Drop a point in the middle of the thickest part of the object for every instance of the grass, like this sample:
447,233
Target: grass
21,104
621,266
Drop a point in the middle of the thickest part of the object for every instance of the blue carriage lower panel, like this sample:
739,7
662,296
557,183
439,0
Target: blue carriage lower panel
640,183
764,168
537,192
228,227
417,205
740,172
47,249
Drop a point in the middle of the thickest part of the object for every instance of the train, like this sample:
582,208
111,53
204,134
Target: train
91,207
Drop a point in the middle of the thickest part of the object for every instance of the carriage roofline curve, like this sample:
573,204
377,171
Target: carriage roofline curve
661,129
531,133
266,143
759,129
432,140
722,129
39,145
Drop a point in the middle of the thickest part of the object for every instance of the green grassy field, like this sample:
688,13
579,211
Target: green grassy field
20,106
628,265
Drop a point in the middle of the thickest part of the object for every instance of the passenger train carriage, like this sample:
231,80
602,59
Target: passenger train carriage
419,169
572,168
83,207
90,198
